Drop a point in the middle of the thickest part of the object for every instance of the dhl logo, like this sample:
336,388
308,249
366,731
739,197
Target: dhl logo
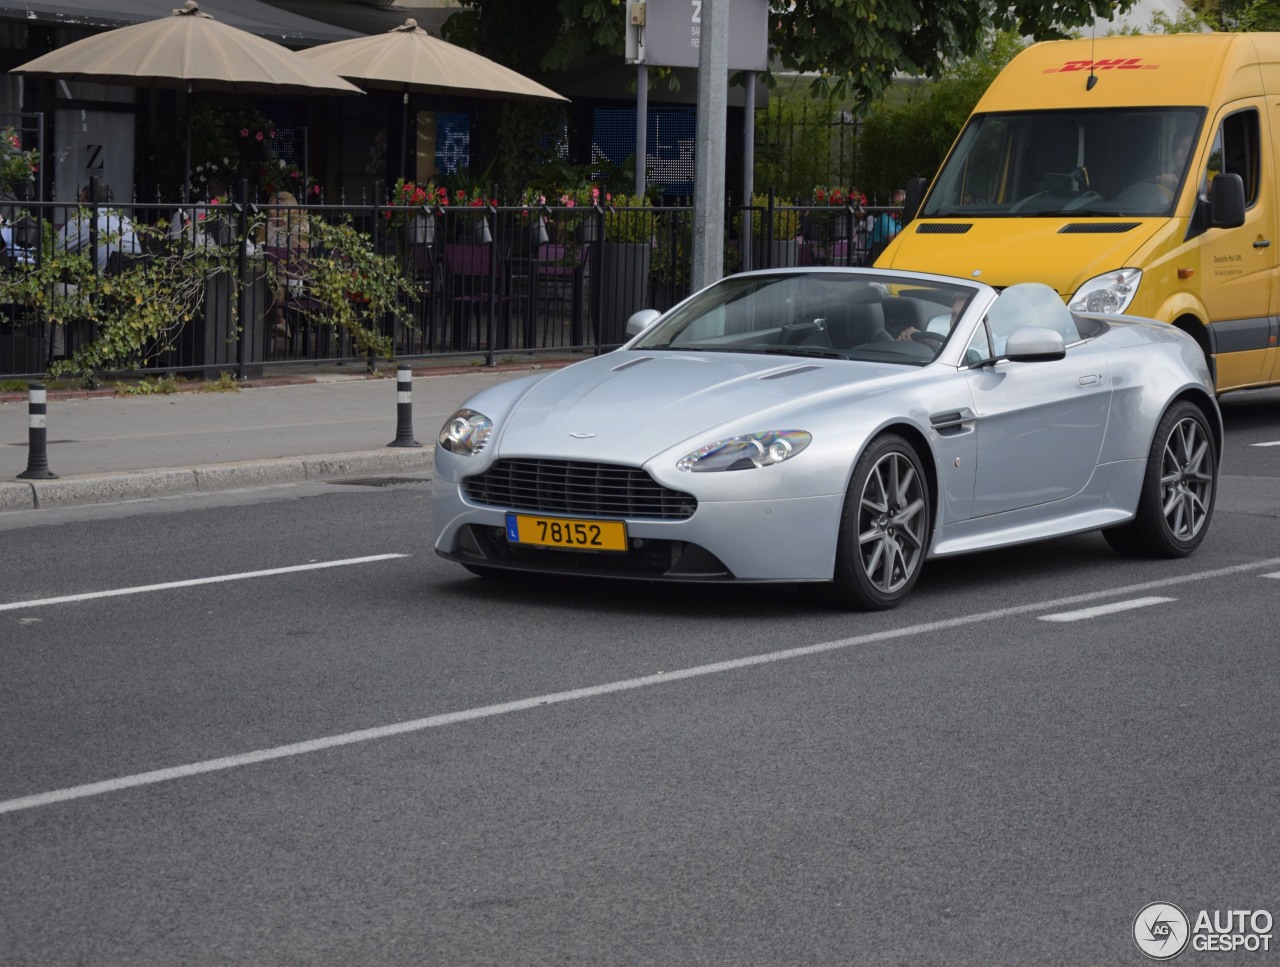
1113,63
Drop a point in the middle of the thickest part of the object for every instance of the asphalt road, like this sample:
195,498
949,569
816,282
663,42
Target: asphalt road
387,761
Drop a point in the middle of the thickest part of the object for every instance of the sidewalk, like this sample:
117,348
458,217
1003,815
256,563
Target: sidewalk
275,430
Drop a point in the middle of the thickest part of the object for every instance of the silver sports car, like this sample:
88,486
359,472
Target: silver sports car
837,426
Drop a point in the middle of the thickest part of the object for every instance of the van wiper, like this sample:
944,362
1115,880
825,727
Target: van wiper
1084,212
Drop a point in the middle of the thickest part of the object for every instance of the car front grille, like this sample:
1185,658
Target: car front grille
573,487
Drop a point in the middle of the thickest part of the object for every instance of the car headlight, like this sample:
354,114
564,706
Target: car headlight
746,452
465,433
1110,292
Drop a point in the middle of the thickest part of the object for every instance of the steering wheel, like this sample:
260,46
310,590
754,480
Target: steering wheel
936,340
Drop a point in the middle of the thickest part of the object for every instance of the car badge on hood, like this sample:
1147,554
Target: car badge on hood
582,436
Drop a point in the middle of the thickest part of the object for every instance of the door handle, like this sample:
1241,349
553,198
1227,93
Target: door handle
1092,379
1262,243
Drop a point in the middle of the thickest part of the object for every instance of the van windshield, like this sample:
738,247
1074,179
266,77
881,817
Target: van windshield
1101,163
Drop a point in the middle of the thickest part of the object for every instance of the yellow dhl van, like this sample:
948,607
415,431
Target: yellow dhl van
1133,174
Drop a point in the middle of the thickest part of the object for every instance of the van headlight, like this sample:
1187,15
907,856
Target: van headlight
465,433
1110,292
746,452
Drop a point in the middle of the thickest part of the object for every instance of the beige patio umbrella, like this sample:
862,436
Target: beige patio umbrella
192,51
408,59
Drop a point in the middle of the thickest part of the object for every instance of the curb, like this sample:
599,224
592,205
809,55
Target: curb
101,488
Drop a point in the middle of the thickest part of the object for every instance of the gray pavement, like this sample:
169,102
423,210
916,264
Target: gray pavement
110,448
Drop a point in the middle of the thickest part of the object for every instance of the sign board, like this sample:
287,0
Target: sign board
667,33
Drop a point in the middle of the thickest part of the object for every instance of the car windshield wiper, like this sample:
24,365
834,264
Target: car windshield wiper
770,349
807,351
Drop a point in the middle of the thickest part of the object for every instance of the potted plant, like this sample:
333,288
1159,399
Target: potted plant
839,224
17,167
410,213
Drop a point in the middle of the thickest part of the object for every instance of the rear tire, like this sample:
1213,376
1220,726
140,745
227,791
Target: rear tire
884,528
1178,489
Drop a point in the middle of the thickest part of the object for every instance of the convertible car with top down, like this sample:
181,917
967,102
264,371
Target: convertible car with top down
840,426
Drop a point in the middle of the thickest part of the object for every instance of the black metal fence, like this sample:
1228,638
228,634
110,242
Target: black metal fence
483,281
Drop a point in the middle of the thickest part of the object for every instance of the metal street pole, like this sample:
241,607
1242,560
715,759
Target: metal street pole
709,160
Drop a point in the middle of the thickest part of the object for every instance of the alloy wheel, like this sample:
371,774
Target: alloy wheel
1186,479
892,522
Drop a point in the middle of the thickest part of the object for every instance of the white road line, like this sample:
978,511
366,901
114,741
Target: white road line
1276,575
193,582
609,688
1269,443
1102,609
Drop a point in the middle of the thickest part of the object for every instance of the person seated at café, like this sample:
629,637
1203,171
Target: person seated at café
114,229
285,239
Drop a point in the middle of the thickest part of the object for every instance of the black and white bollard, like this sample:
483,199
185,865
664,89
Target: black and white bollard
404,409
38,436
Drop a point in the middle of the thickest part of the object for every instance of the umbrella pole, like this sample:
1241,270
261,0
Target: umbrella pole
186,161
404,133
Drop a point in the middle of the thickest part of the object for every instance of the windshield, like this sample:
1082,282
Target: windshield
1106,162
825,314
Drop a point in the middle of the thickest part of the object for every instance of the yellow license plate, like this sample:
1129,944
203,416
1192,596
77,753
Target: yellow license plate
580,535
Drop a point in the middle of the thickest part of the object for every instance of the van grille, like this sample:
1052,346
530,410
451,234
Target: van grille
573,487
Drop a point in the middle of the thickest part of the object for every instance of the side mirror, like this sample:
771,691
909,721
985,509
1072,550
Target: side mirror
1034,344
1226,201
642,320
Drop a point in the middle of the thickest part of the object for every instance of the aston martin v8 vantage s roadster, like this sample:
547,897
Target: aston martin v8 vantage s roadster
838,426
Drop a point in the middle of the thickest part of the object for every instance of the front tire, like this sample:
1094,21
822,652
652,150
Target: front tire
884,528
1178,489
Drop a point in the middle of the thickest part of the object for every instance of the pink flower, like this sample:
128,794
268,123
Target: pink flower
258,136
244,132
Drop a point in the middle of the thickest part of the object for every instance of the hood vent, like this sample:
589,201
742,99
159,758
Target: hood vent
632,362
794,371
937,228
1098,228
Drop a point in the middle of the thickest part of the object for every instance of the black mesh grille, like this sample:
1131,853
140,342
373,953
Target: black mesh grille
570,487
1098,228
941,228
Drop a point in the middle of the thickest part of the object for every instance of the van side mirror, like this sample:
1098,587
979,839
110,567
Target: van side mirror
1226,201
916,187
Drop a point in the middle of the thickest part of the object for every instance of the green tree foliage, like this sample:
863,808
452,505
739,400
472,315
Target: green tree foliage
801,142
1248,15
855,46
902,141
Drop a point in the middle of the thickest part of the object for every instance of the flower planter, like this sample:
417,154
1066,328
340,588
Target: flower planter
422,230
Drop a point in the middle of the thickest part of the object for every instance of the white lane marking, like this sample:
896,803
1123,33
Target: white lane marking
1102,609
193,582
1269,443
1276,575
609,688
